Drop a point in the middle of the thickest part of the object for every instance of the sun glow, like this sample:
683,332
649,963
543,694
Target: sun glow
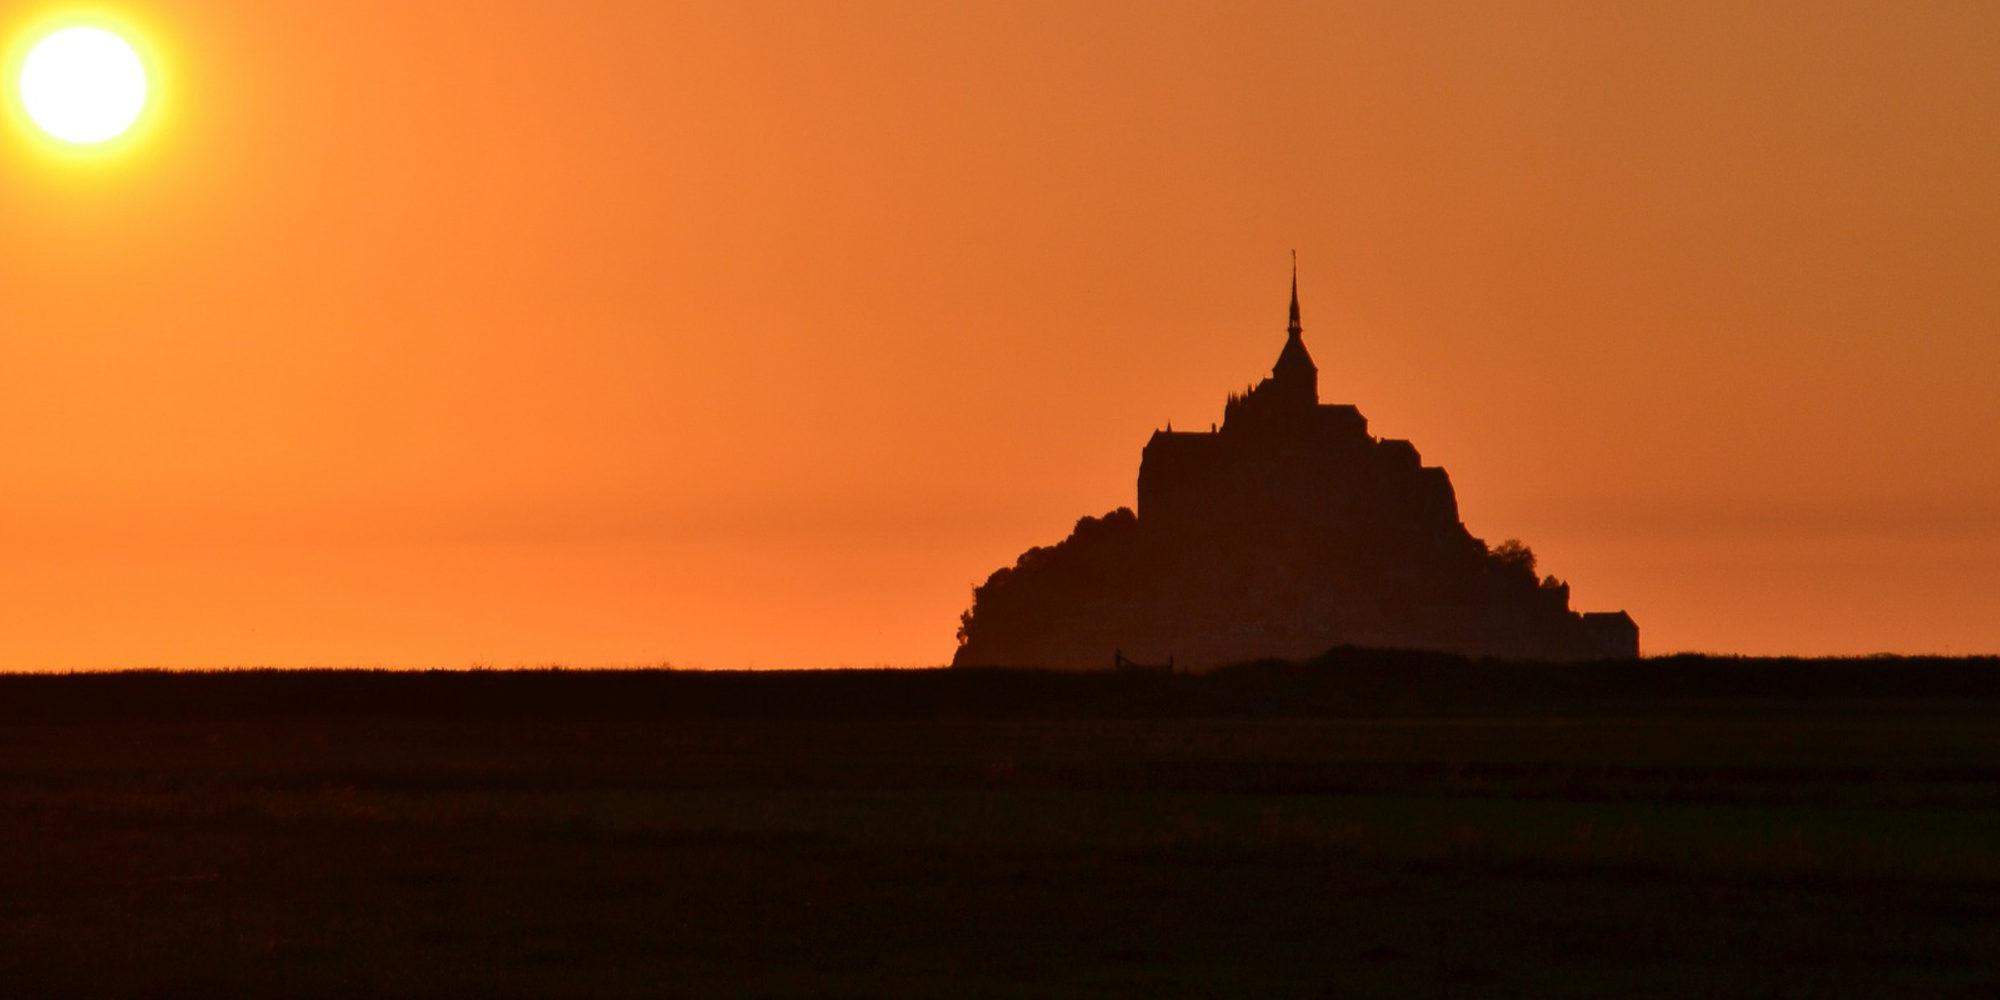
83,85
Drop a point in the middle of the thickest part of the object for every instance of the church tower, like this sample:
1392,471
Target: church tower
1295,379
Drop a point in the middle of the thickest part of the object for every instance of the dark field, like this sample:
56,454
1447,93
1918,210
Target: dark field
1368,825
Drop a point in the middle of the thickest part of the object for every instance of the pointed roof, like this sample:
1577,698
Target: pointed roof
1294,358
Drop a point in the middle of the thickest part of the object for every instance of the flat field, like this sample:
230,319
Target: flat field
1365,825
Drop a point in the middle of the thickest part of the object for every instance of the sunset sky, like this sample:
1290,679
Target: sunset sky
434,334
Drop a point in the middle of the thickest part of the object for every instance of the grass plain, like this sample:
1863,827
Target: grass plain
1364,825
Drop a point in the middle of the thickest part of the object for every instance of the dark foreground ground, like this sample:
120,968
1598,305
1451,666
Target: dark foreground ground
1367,825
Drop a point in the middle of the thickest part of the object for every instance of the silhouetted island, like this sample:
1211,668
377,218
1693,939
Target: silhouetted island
1286,532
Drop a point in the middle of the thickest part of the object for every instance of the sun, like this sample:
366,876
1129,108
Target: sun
83,85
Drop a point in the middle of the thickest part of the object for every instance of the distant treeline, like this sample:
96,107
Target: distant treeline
1341,683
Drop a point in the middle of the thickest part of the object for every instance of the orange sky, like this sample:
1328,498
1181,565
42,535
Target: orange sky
739,335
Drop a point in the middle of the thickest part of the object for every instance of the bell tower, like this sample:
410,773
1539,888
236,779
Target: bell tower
1295,379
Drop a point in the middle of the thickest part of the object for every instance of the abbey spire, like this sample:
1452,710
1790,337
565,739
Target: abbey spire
1295,377
1295,329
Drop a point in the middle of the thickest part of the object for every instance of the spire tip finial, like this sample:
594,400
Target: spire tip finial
1295,328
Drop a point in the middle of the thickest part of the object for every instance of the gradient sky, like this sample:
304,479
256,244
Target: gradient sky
436,334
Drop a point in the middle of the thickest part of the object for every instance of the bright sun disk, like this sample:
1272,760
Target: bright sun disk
83,85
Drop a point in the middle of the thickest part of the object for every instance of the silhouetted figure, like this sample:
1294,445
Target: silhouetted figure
1286,531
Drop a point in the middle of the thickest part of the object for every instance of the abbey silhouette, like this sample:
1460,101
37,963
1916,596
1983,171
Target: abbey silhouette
1286,532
